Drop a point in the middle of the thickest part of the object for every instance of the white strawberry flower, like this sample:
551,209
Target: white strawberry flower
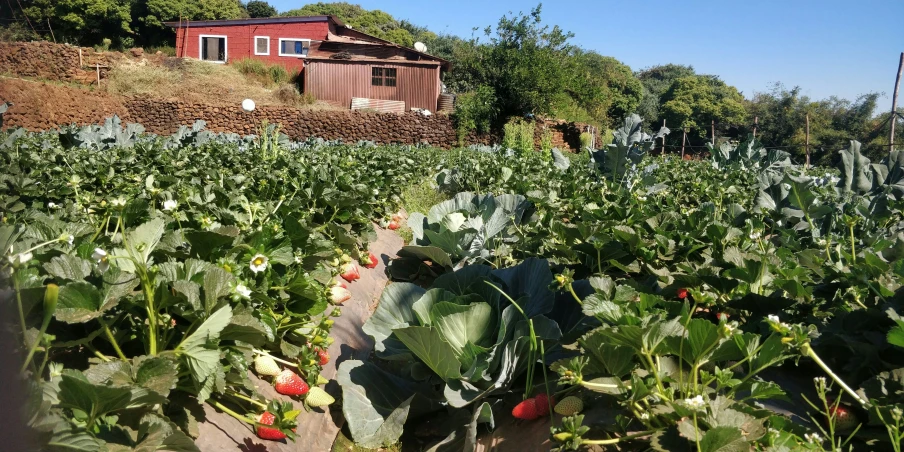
258,263
100,256
52,205
118,202
243,291
20,258
813,438
170,205
695,403
70,239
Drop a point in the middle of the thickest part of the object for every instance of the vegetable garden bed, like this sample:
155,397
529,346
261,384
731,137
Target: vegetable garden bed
604,301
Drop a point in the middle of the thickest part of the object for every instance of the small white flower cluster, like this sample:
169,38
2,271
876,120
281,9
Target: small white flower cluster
695,403
19,259
755,235
243,291
813,438
170,205
826,180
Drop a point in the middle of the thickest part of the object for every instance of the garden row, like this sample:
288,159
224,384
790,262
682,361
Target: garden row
150,274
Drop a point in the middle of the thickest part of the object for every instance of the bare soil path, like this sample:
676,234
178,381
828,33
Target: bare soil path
316,429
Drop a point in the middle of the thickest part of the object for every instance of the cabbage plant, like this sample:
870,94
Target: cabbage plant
464,230
469,334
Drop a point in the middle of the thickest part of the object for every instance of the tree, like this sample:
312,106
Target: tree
656,81
373,22
525,64
259,8
150,15
782,117
604,86
84,22
694,101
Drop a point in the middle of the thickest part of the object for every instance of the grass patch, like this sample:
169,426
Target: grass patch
201,82
419,197
266,74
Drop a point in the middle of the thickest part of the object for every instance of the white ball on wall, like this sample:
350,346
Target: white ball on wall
248,105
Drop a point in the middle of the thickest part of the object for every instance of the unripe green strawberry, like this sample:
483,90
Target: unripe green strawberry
265,365
845,420
318,397
569,406
321,380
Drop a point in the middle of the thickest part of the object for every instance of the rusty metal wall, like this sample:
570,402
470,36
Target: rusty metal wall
340,80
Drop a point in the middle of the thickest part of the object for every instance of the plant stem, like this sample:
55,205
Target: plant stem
573,294
696,432
98,354
221,407
112,339
263,353
604,442
808,351
853,248
247,399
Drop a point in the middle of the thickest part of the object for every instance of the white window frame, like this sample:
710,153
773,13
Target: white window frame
225,48
268,45
279,50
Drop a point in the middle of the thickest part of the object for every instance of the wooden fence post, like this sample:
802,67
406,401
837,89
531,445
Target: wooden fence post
663,138
807,164
683,140
97,67
713,129
894,105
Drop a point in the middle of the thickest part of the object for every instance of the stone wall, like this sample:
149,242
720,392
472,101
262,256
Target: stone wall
59,62
563,134
42,105
164,117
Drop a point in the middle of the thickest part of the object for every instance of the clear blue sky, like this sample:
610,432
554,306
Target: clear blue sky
830,47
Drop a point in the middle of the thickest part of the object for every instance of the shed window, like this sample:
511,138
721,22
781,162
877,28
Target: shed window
213,48
261,45
294,47
383,76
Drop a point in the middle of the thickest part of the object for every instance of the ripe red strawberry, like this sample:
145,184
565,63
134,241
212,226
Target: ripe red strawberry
272,434
845,420
722,316
397,217
393,225
350,272
323,355
371,261
289,383
526,410
682,293
542,402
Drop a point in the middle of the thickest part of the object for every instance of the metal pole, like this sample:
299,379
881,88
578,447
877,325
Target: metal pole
894,105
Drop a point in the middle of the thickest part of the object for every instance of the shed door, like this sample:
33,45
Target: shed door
213,49
384,83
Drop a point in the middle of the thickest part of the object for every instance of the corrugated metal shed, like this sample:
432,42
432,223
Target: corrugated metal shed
417,85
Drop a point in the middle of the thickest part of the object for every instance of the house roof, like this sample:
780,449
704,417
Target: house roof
254,21
339,39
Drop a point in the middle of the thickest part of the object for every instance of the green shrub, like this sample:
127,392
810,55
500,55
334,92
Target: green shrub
586,139
474,112
546,141
268,74
518,134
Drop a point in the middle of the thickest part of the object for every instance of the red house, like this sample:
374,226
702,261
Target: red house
335,62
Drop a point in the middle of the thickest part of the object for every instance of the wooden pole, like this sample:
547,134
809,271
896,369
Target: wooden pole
807,164
756,122
81,64
683,140
713,129
51,30
894,105
97,67
663,138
